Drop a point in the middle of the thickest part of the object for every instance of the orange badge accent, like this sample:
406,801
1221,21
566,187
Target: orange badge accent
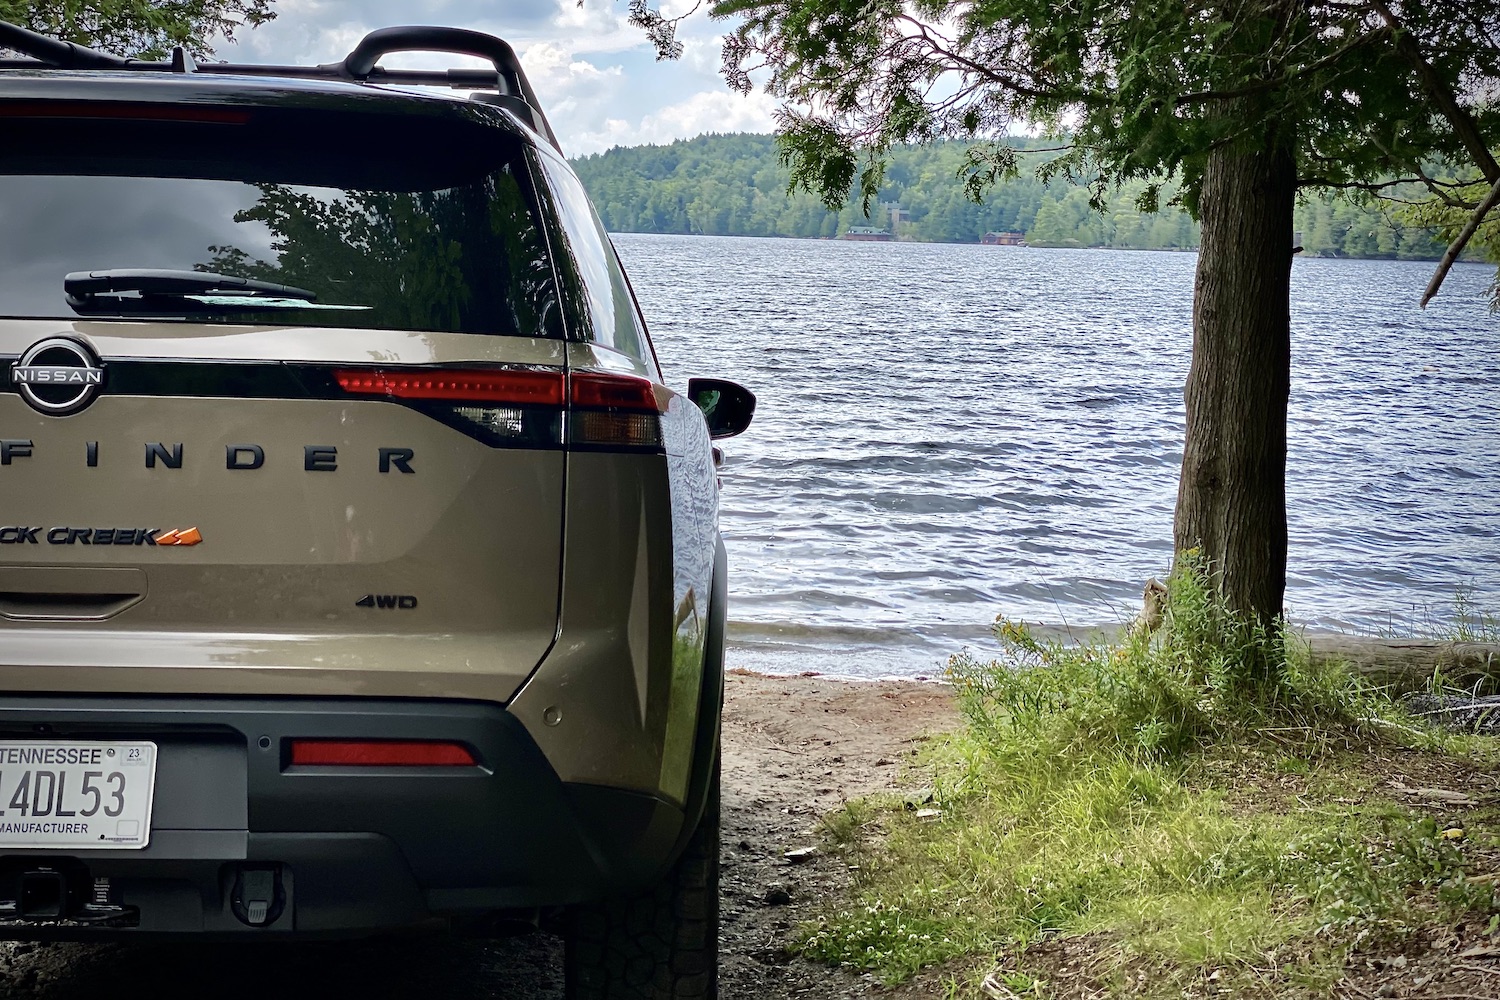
180,536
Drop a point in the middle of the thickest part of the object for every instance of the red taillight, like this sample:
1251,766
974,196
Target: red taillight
381,753
613,392
614,412
521,406
517,386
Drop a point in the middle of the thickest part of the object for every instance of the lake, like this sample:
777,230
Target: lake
947,433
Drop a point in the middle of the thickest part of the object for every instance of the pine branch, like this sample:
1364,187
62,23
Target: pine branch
1443,96
1455,248
1281,81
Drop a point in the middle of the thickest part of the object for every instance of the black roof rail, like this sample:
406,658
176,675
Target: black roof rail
507,78
54,51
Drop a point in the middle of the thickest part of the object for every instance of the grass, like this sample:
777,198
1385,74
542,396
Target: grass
1189,804
1462,621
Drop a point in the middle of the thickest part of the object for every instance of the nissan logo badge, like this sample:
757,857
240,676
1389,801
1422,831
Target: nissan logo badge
57,376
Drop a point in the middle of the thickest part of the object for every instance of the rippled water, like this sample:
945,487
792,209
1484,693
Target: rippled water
947,433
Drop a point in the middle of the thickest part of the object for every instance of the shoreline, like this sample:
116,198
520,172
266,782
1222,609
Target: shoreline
1029,246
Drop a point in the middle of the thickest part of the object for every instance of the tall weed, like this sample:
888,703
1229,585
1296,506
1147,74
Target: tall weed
1204,677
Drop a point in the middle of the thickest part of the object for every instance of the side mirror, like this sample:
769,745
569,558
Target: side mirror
727,406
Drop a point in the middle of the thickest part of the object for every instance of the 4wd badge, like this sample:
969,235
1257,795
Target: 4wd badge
57,376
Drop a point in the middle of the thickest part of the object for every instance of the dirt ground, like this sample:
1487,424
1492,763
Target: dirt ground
794,748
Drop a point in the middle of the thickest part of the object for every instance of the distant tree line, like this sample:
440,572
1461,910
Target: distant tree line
735,185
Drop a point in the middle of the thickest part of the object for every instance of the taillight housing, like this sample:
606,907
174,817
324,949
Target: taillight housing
610,412
503,407
525,406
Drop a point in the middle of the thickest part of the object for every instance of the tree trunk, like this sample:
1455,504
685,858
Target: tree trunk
1231,499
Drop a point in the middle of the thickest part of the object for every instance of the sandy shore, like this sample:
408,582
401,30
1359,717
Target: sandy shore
794,748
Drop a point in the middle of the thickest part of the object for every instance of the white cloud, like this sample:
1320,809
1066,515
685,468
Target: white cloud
597,77
707,111
572,86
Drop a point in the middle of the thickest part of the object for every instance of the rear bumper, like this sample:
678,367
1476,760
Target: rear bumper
353,849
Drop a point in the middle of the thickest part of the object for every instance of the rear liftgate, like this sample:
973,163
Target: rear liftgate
236,543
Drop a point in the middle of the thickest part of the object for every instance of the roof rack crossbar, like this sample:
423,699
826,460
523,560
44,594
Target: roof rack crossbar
54,51
507,78
458,79
360,63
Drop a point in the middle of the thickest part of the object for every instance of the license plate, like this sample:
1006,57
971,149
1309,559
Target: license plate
76,795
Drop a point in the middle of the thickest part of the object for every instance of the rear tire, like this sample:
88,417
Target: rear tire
661,943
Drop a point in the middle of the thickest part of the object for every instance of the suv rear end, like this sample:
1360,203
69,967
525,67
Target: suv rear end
357,569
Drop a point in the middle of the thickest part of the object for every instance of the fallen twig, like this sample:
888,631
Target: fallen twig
1470,967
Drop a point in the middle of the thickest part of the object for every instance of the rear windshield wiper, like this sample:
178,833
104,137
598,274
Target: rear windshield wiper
157,289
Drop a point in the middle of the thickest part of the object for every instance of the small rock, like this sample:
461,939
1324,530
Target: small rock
921,797
799,855
884,762
776,895
743,845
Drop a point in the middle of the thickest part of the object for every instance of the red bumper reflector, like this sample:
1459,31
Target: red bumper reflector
381,753
517,386
615,392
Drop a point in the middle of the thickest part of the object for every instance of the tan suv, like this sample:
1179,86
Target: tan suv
357,569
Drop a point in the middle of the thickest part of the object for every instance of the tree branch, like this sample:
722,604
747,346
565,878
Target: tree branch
936,46
1371,186
1455,248
1432,184
1443,96
1263,85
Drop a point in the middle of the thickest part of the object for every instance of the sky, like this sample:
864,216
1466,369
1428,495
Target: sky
597,77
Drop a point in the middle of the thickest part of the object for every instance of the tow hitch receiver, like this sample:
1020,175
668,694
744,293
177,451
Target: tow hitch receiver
59,893
44,895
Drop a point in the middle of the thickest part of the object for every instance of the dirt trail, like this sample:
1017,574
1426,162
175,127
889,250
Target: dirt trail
794,748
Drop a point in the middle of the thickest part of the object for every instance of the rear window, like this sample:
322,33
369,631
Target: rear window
610,315
386,222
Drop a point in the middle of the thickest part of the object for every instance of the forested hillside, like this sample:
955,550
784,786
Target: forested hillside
733,185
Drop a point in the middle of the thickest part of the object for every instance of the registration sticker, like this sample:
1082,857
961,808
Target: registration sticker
76,795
